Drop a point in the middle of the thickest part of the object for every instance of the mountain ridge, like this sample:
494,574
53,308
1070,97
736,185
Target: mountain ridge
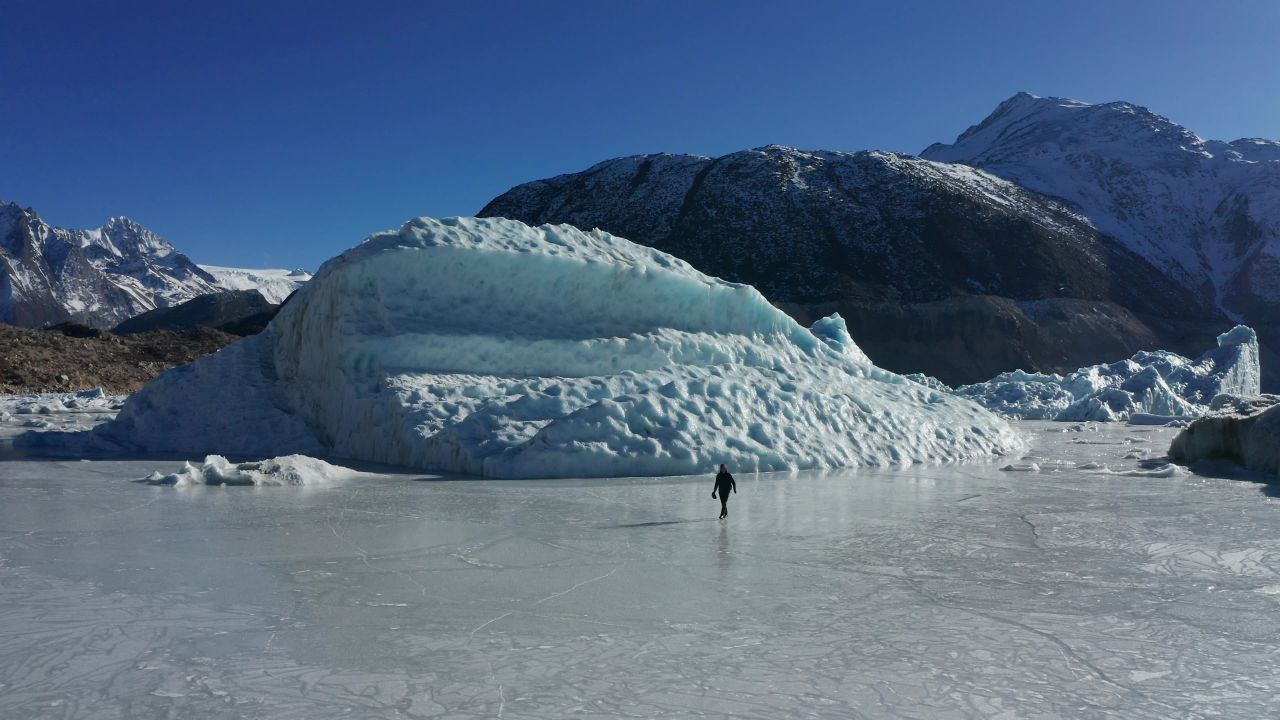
1205,211
771,204
105,275
924,245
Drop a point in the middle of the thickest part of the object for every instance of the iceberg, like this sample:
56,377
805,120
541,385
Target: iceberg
1244,429
1158,384
488,347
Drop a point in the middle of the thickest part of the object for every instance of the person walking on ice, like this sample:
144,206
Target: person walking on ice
724,483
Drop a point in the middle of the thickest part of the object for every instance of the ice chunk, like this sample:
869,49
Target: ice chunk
835,333
1021,467
287,470
928,381
486,346
1148,384
1239,335
1245,429
95,400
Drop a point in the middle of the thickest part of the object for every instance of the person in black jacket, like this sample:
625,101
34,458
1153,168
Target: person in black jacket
724,483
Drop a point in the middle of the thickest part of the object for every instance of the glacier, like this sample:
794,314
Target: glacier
274,284
489,347
1148,387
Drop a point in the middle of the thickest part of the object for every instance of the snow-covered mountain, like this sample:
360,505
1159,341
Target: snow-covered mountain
96,277
274,284
820,226
104,276
1206,212
937,267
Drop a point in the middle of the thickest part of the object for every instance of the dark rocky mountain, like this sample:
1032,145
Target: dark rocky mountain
937,267
229,311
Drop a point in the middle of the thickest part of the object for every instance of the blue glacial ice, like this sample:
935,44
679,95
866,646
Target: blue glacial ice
489,347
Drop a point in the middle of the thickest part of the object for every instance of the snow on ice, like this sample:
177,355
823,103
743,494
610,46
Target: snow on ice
1148,388
489,347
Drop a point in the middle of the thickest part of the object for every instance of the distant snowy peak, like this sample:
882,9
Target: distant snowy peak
274,284
106,275
1205,211
123,237
1257,149
1026,118
98,277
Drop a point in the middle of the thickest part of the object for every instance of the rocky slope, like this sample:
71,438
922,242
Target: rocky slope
938,267
77,357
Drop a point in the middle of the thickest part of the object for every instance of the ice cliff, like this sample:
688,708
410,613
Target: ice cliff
1158,383
486,346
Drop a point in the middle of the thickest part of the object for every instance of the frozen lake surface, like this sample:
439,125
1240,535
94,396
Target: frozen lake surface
958,591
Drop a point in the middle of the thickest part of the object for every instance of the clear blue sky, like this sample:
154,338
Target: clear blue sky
278,134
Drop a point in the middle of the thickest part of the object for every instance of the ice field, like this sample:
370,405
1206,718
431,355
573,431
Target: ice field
930,592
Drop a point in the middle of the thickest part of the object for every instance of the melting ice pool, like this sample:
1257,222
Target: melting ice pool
958,591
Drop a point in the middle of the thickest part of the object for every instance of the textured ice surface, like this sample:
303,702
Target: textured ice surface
489,347
929,592
1148,385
